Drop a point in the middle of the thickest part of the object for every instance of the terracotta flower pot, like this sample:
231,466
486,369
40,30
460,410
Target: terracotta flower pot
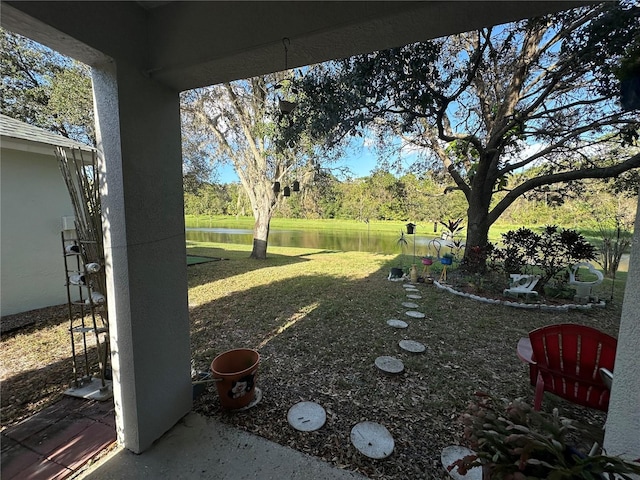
236,371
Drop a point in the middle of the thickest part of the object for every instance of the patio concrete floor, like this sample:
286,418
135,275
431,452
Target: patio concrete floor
200,447
75,438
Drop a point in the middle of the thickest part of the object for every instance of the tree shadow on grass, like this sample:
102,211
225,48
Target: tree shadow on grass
28,392
33,320
319,331
236,263
319,334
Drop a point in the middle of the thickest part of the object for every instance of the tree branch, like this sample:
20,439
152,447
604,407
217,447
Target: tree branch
604,172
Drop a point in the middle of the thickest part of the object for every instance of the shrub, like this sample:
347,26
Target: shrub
549,253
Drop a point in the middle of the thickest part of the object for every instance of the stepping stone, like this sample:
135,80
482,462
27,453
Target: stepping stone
372,440
409,286
397,323
414,296
410,305
455,452
414,314
389,364
412,346
306,416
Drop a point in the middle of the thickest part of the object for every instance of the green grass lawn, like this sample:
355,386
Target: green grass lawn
374,226
318,319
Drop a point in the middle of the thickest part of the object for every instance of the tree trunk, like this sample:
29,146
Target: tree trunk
262,216
478,224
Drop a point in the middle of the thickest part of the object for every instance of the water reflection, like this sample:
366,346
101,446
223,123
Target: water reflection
344,240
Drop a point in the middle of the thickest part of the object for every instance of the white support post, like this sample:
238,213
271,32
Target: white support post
622,433
143,216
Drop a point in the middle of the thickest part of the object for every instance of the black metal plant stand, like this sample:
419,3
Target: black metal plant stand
85,321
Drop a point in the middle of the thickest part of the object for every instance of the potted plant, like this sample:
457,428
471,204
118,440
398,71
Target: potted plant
428,260
446,259
512,440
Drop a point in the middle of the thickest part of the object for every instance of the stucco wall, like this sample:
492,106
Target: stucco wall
138,124
33,200
622,433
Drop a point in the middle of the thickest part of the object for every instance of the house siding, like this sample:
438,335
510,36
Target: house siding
33,200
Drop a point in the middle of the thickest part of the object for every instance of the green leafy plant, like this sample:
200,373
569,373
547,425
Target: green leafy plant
513,441
550,252
615,235
452,228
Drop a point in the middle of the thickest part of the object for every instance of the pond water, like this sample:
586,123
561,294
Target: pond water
343,240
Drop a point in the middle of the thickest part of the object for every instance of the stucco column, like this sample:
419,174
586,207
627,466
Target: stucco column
142,206
622,433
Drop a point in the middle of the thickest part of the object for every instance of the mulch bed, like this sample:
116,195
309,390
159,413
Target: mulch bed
470,347
41,316
328,356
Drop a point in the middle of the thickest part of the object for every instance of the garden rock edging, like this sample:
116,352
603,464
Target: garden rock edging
530,306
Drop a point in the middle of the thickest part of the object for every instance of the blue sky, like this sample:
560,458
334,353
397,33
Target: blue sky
360,163
360,159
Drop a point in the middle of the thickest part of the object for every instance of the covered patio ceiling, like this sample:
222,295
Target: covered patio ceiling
189,44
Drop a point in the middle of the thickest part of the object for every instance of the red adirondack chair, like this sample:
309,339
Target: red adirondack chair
565,360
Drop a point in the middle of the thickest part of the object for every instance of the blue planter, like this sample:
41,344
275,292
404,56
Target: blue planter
446,261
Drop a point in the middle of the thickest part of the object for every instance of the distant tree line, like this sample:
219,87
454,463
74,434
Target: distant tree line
384,196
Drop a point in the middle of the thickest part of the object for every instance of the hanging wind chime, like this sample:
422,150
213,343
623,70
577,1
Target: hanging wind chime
286,107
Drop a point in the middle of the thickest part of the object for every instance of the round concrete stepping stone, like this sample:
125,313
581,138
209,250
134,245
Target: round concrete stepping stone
413,296
455,452
389,364
414,314
410,305
306,416
372,439
412,346
397,323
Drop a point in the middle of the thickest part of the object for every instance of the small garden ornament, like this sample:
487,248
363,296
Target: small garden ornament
427,262
445,260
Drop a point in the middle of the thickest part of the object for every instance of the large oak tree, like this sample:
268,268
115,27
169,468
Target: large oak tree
237,124
487,104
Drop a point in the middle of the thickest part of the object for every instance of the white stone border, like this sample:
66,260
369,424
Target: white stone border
530,306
